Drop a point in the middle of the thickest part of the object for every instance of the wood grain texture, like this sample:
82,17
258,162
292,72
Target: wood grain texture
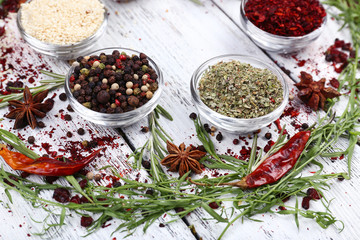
179,36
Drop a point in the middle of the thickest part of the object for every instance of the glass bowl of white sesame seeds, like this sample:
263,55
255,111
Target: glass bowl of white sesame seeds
62,29
114,87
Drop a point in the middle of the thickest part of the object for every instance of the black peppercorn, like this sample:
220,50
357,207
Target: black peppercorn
268,135
67,117
193,116
63,97
304,126
31,139
81,131
103,97
219,136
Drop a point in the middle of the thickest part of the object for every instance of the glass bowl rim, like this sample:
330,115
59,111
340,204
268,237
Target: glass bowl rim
315,32
200,103
131,113
61,46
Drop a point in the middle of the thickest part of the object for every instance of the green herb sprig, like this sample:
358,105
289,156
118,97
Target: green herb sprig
57,80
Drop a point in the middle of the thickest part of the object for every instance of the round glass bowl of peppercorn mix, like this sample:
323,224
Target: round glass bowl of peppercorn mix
239,86
114,87
282,26
69,48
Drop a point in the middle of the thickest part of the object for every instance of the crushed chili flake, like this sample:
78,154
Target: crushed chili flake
286,17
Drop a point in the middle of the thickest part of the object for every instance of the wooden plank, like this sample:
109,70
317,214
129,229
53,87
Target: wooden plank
18,219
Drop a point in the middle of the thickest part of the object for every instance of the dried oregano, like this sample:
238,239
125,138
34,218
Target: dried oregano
240,90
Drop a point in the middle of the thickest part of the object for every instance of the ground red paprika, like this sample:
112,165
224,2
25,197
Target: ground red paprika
285,17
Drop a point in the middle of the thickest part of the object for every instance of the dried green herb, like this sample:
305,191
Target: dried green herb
239,90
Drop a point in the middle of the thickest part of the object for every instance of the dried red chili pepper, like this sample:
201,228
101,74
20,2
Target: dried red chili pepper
44,166
286,17
275,166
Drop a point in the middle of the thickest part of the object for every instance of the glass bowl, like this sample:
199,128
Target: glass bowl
274,43
63,52
116,119
230,124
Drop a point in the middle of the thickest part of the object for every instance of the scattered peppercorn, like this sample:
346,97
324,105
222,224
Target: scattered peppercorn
144,129
116,184
83,183
193,116
31,139
63,97
149,191
161,225
146,164
97,177
236,141
41,124
69,108
90,175
67,117
268,135
219,136
304,126
81,131
69,134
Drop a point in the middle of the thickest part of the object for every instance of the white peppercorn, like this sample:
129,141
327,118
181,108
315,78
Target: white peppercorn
136,77
129,84
90,175
77,87
144,88
96,64
149,94
115,86
129,91
105,80
75,64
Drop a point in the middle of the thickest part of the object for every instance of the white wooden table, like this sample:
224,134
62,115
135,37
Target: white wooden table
179,36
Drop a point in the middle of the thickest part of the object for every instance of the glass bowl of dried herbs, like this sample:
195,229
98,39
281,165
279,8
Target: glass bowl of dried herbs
114,87
282,26
239,93
82,24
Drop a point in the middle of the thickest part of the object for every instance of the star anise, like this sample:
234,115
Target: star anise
25,113
182,160
314,93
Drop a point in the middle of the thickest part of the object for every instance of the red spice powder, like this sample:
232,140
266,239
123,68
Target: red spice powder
285,17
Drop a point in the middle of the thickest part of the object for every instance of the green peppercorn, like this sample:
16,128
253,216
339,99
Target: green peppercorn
102,66
87,104
84,71
144,68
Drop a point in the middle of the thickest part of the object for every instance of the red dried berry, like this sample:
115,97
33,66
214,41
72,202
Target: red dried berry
61,195
75,199
335,83
213,205
306,202
311,192
86,221
122,57
282,208
83,183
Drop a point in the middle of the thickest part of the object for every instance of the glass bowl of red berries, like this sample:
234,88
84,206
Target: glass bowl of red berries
114,87
282,26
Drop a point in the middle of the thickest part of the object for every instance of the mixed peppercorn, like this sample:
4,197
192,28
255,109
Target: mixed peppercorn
113,83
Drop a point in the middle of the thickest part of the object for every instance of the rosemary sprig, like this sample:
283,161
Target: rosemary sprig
153,146
57,80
